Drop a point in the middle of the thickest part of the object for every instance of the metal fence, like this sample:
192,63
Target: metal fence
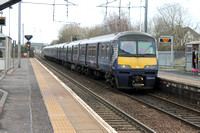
178,62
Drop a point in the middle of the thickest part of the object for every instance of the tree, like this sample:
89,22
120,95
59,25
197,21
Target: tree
113,24
95,31
171,20
169,17
110,25
68,31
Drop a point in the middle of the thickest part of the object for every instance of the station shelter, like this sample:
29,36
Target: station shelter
5,52
188,54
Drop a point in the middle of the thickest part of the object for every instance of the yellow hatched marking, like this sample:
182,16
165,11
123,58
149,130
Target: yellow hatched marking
57,116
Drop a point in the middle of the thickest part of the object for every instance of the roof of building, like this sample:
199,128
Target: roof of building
193,42
8,3
2,35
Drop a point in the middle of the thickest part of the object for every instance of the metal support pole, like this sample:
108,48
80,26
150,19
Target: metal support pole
19,36
172,53
119,15
9,19
14,43
1,26
145,19
129,18
23,34
28,55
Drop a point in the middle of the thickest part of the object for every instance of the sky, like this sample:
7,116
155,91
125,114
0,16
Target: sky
3,1
38,20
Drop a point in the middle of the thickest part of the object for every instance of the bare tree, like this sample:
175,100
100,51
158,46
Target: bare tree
71,30
169,17
113,24
95,31
171,20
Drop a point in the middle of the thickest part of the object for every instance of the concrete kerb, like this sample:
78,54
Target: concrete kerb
3,99
5,94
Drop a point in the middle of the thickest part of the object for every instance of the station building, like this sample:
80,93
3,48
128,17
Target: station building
5,52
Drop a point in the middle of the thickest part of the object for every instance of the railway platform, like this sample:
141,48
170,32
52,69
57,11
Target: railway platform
181,83
180,76
38,101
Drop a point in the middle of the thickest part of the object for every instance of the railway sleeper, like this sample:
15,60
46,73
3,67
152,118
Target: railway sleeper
124,128
122,123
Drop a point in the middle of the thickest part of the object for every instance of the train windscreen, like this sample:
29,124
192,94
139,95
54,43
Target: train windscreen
137,47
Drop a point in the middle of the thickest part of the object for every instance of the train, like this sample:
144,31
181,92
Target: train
127,60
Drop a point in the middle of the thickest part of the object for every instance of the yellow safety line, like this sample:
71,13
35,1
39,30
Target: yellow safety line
57,116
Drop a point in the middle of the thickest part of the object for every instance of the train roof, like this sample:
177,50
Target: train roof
114,36
56,46
99,39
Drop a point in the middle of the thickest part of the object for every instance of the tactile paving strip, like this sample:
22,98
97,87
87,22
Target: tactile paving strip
57,116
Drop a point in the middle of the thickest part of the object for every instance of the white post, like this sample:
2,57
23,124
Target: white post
19,36
172,51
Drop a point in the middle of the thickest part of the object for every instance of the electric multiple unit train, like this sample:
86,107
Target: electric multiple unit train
127,60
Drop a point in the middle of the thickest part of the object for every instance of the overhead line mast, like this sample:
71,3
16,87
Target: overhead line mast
146,9
54,4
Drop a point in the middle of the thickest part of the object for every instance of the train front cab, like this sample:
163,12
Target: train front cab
136,66
140,77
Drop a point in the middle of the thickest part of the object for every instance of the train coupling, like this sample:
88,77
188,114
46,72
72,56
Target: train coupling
137,81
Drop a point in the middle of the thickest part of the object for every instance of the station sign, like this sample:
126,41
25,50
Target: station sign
2,21
165,39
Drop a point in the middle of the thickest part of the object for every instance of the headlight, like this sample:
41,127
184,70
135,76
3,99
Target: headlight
150,67
124,67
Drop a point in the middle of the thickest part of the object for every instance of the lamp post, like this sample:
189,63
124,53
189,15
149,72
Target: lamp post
19,36
9,19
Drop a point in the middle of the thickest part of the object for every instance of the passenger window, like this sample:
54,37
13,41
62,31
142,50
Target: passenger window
107,51
70,51
90,50
83,51
93,50
103,51
76,50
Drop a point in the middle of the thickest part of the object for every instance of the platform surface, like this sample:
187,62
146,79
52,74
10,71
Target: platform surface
180,76
38,102
65,111
24,110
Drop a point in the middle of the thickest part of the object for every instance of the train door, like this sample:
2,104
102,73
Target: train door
72,53
98,55
63,53
86,54
57,53
78,52
67,54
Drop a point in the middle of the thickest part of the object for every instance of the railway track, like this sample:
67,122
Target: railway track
189,115
118,119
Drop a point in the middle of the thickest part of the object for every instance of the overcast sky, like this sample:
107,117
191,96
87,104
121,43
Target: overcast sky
38,18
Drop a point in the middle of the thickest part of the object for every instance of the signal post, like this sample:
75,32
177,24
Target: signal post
28,44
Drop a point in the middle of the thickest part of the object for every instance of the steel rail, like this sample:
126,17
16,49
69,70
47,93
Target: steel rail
174,113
